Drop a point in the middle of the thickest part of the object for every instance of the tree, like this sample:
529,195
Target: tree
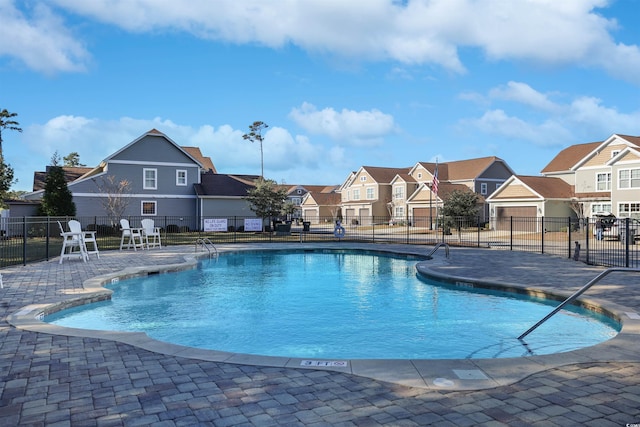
57,199
460,206
7,122
72,160
266,199
116,201
254,135
6,171
6,180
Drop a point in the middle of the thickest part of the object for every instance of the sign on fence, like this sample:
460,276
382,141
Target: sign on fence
252,224
215,224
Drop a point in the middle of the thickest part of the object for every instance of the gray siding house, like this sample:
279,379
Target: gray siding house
165,180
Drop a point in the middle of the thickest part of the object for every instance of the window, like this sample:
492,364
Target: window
370,193
498,185
419,175
398,212
296,201
629,210
398,192
181,177
614,153
356,194
363,178
603,181
483,188
149,208
600,207
150,179
629,178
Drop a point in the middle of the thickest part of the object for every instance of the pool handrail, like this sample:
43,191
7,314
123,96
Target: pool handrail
438,246
577,294
207,244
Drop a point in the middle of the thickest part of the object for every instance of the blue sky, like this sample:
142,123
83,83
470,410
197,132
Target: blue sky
341,84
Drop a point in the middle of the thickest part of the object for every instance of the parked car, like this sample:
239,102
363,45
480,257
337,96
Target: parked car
615,228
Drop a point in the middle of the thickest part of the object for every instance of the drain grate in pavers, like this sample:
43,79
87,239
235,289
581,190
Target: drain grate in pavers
470,374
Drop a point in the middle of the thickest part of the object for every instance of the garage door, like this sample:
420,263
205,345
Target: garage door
524,218
365,217
421,216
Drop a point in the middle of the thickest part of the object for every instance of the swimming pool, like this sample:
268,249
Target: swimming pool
333,304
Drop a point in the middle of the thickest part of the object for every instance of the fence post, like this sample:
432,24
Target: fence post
569,236
543,232
24,240
373,228
478,225
627,238
511,233
586,237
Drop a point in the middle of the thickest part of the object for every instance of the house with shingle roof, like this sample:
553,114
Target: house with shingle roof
318,206
524,196
174,184
601,176
366,194
405,194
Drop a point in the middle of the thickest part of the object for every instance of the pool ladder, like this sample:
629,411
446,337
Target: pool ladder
438,246
577,294
207,244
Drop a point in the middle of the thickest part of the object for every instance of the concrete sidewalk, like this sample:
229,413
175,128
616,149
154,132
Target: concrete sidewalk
50,379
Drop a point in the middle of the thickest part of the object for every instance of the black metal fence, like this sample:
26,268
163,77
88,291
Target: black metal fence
29,239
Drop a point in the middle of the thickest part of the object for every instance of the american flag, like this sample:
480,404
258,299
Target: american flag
434,183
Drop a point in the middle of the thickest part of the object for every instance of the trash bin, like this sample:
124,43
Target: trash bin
306,225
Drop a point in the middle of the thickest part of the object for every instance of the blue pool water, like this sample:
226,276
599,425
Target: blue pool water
326,304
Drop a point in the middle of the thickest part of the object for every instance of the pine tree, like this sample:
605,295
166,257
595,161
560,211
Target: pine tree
57,199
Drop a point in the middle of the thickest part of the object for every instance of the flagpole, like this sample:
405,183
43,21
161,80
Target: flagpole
435,185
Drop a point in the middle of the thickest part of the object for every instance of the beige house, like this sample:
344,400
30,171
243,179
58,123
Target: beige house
366,194
403,195
414,201
530,197
319,206
600,176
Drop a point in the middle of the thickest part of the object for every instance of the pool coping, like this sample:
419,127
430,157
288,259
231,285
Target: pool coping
434,374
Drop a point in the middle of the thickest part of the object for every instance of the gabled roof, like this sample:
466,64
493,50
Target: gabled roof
205,161
155,132
566,159
548,187
221,185
460,170
543,186
572,156
470,168
325,199
405,177
384,175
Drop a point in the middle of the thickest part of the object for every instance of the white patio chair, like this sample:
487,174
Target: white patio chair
72,244
133,236
150,230
86,236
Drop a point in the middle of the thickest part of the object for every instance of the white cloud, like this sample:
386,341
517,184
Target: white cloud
497,122
414,32
94,140
549,122
356,127
524,94
39,40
